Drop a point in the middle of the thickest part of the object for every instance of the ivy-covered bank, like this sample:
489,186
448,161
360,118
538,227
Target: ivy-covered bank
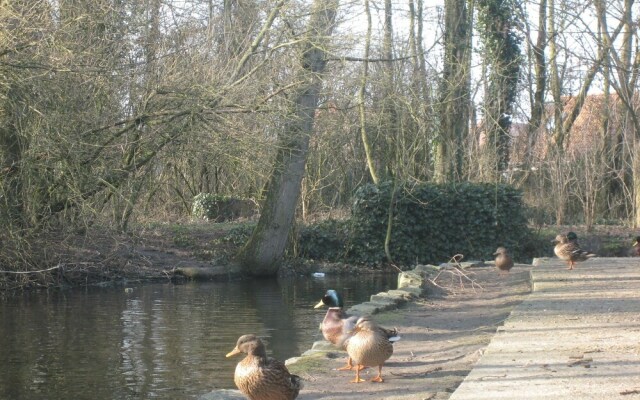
430,224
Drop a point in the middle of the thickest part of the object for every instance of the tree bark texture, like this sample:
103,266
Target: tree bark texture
265,248
454,92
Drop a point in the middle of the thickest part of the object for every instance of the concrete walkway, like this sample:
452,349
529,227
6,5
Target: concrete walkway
577,336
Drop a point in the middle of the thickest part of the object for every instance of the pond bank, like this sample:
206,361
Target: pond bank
442,337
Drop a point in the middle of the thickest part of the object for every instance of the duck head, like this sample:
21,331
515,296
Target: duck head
364,324
330,299
500,250
248,344
560,239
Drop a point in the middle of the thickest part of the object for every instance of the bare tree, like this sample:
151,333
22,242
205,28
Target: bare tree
454,92
265,248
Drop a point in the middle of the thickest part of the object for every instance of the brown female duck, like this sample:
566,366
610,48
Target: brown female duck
336,326
504,262
260,377
569,251
370,345
635,250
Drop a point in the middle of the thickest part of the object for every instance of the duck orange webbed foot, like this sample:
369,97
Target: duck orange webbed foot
350,367
377,379
347,367
358,379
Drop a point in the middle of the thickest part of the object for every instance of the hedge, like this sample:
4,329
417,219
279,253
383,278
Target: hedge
431,223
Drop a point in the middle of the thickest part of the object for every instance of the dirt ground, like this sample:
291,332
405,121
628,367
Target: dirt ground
156,252
441,340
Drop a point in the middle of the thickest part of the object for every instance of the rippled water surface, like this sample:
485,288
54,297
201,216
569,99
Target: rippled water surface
160,341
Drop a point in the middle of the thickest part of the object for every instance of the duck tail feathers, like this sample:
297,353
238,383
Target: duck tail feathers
296,382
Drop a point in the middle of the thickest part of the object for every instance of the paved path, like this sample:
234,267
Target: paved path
576,336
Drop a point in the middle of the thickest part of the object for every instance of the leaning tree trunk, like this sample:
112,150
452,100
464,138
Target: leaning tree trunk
265,248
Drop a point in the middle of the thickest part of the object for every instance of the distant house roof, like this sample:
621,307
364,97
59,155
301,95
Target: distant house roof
586,133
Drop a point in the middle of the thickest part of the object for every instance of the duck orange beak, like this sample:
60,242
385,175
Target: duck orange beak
233,352
635,242
320,304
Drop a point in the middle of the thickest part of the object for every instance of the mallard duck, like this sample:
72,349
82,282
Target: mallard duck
569,251
635,250
260,377
370,345
504,262
336,326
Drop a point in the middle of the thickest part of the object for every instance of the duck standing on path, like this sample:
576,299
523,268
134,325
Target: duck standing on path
570,251
260,377
336,326
504,262
635,250
369,346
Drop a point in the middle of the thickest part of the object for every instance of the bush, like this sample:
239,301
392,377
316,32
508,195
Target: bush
431,223
218,208
237,236
323,241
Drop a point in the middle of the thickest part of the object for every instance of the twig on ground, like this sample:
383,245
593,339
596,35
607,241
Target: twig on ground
396,267
456,271
425,373
31,272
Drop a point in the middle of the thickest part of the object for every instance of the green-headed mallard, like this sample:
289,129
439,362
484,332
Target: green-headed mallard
504,262
260,377
336,326
569,251
572,237
635,251
370,345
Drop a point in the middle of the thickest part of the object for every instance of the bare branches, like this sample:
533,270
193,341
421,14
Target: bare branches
456,275
31,272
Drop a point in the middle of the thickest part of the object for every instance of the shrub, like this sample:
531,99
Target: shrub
324,240
220,208
433,222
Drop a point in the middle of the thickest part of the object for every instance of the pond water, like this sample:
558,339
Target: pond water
157,341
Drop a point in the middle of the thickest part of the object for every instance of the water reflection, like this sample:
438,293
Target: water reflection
159,341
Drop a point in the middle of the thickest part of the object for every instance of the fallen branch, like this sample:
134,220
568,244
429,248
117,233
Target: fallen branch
424,373
31,272
456,271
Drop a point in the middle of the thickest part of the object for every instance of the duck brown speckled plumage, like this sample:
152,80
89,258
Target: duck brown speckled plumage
569,251
336,326
260,377
635,250
504,262
370,346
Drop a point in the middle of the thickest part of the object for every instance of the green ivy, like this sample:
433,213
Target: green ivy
205,205
323,241
237,236
431,223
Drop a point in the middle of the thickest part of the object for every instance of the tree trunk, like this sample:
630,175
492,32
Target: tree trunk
366,142
636,184
454,92
265,248
502,53
537,109
556,84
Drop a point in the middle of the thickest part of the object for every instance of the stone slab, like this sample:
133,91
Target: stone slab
576,336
